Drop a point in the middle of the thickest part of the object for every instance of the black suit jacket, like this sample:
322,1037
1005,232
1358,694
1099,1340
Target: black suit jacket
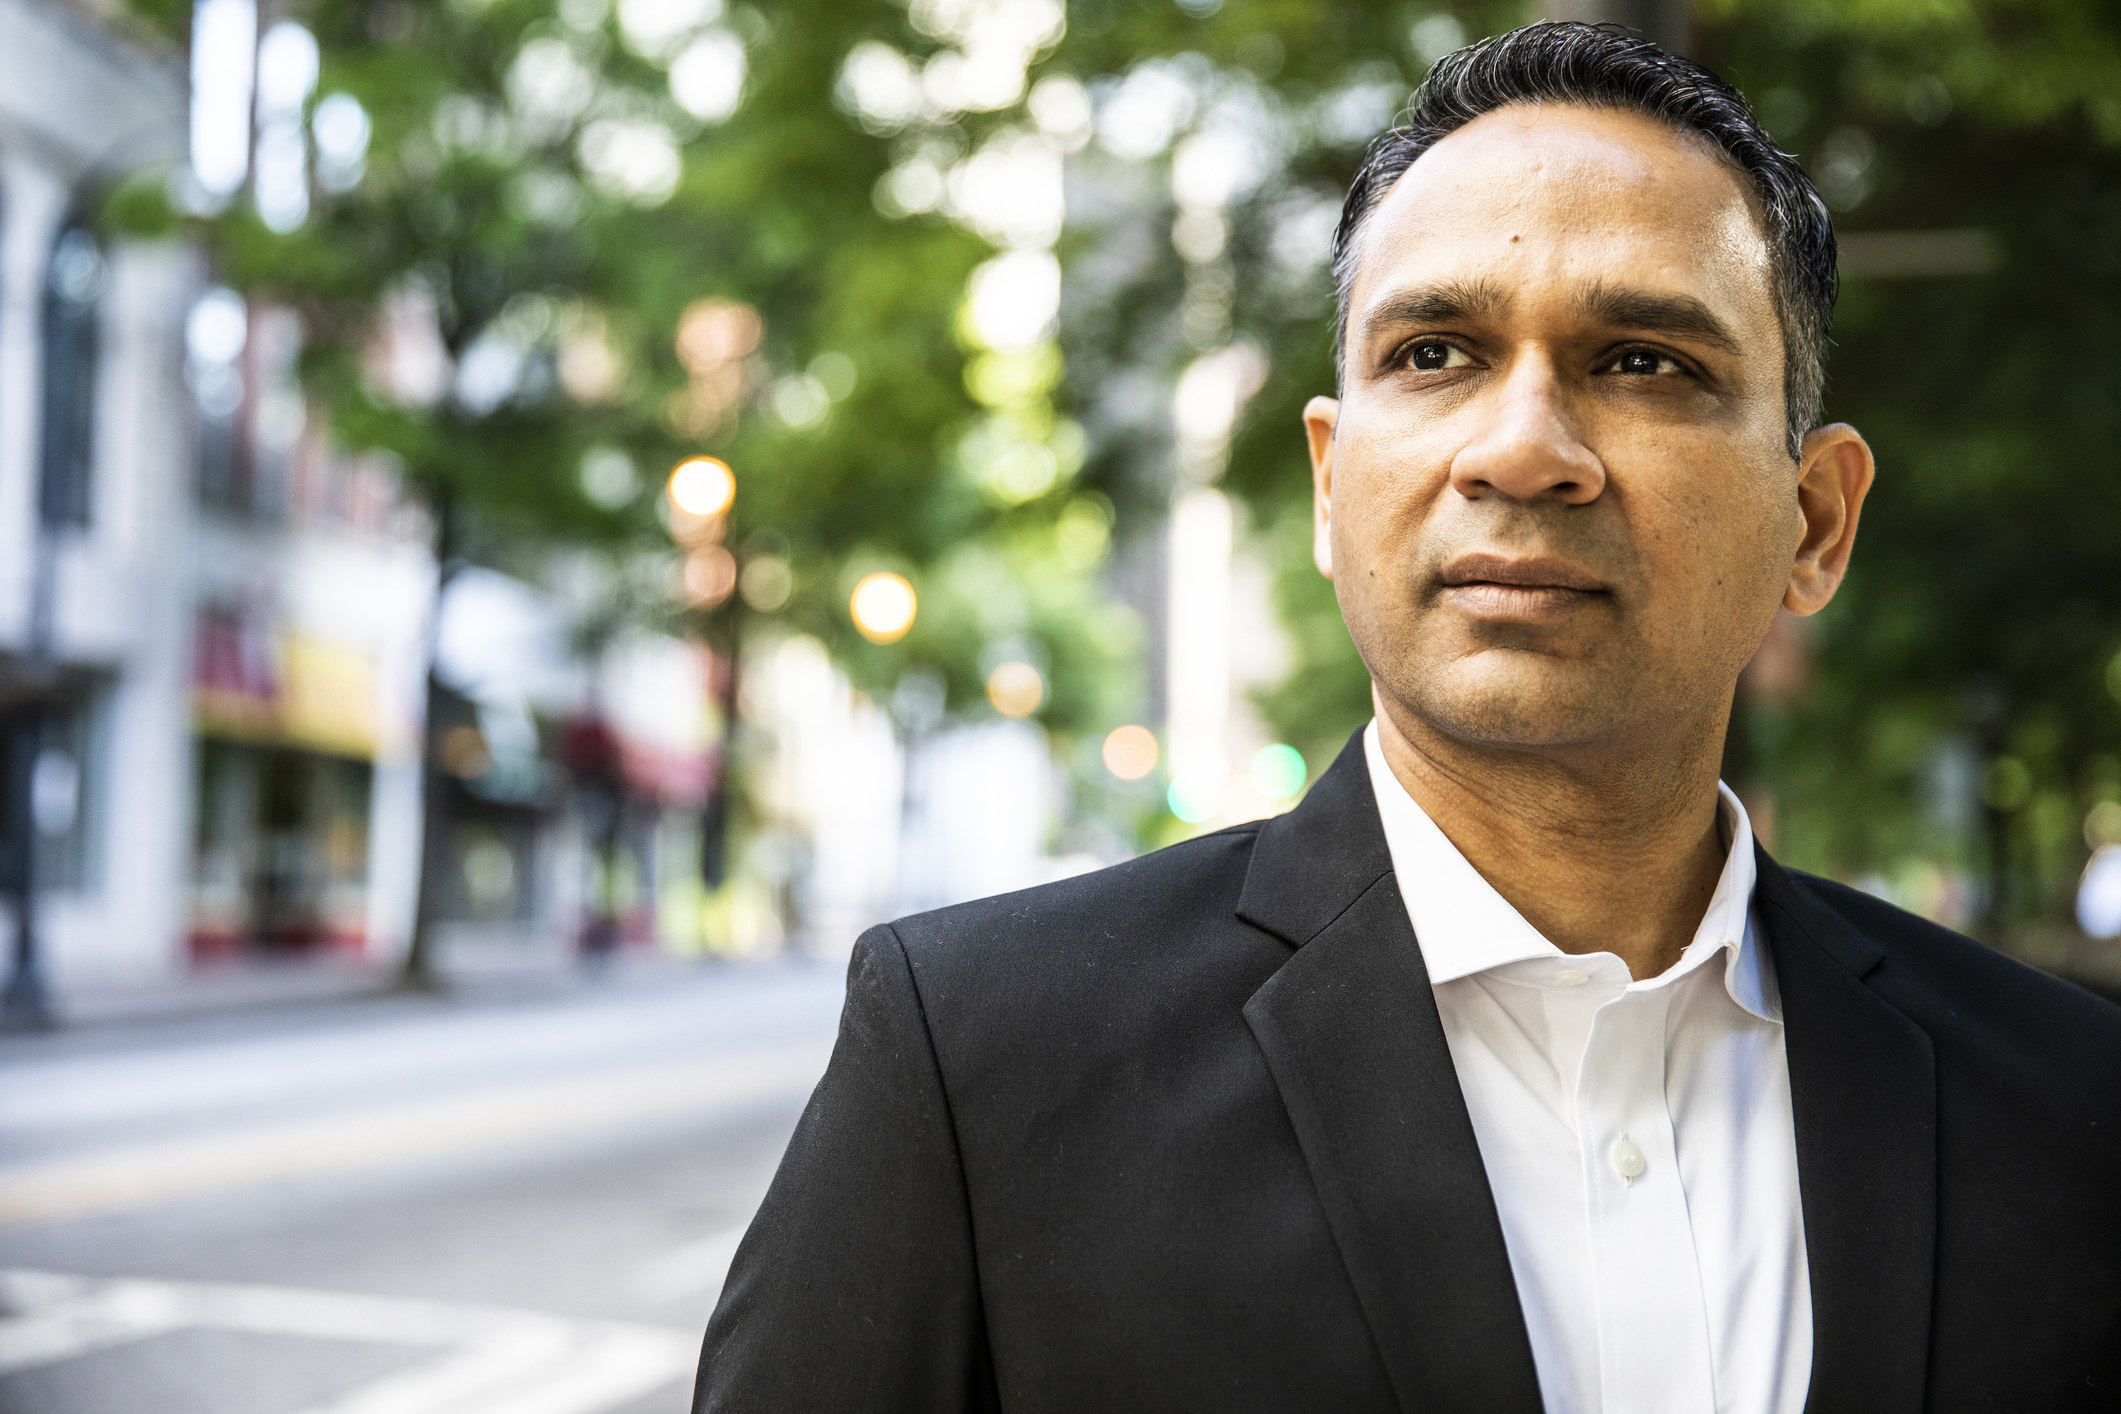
1185,1135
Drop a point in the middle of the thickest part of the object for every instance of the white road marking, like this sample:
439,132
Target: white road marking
69,1316
697,1268
495,1360
115,1180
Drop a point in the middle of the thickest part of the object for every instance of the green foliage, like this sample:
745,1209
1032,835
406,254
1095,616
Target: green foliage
1985,601
484,200
1985,604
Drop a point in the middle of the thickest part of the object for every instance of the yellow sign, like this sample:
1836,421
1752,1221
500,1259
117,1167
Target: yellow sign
324,700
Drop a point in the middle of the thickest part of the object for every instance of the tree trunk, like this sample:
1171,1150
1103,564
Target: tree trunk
420,972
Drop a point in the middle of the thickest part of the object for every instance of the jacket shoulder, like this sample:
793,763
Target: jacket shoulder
1136,896
1951,983
1114,949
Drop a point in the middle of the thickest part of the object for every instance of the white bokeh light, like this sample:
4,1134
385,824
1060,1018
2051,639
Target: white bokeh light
341,130
223,66
1212,394
707,79
1061,107
879,86
1435,36
217,327
287,75
549,86
799,401
637,161
1141,117
1014,299
489,372
657,29
2099,894
1010,191
287,70
1211,167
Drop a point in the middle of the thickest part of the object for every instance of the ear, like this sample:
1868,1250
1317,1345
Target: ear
1834,474
1320,415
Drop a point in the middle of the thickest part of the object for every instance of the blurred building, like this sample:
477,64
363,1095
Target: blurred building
95,463
212,625
309,587
216,628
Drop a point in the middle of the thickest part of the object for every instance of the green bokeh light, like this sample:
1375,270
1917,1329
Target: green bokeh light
1193,800
1279,771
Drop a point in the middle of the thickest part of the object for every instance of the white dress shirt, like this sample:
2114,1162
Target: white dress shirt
1636,1135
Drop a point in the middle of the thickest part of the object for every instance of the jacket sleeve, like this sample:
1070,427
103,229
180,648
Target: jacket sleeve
855,1287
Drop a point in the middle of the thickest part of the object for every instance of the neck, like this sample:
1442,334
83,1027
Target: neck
1612,850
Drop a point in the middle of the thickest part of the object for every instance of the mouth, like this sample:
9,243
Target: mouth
1519,589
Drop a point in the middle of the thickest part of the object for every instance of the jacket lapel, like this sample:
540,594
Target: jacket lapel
1864,1093
1351,1036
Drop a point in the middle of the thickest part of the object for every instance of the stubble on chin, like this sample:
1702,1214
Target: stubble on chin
1508,700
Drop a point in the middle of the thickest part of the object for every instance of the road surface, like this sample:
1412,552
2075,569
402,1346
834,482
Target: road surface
503,1206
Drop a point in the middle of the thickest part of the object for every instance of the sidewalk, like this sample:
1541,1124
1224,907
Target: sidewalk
482,967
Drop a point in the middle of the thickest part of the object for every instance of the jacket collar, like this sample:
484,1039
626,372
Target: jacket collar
1351,1036
1350,1033
1863,1094
1312,862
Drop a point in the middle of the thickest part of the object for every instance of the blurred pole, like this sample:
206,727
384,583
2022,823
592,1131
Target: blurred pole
26,1003
1665,22
714,818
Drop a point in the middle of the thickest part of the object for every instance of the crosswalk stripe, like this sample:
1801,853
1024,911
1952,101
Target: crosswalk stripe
494,1361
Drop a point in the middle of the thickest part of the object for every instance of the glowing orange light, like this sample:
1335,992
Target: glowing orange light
1130,752
1015,689
883,606
714,333
710,574
702,486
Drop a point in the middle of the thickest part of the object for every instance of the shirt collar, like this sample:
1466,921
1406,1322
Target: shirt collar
1466,927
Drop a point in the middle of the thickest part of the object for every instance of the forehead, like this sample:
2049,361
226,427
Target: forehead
1535,195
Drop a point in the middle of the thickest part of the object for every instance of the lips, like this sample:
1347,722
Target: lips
1520,572
1519,589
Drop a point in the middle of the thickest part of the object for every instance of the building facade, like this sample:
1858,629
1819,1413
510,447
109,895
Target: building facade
212,624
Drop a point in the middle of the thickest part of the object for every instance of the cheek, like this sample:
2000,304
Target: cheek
1717,543
1382,493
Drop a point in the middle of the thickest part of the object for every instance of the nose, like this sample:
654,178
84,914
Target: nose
1529,449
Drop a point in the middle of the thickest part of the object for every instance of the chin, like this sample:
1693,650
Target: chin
1535,706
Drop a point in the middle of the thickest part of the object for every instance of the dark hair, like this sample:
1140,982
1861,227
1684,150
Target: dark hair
1603,66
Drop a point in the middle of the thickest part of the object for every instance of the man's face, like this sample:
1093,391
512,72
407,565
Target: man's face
1555,497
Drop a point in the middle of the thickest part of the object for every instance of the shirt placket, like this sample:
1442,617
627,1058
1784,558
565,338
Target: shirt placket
1653,1338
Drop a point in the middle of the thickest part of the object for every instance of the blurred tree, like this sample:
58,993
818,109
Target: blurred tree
1965,712
549,191
541,253
1957,709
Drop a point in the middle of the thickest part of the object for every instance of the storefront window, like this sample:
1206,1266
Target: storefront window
280,846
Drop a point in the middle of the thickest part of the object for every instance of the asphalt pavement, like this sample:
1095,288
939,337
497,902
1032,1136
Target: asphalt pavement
505,1204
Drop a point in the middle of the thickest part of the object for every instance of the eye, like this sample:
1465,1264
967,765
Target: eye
1644,363
1430,355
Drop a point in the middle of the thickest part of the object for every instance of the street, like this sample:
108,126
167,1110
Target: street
506,1204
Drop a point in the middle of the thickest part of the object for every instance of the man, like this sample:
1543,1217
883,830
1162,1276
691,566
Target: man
1504,1072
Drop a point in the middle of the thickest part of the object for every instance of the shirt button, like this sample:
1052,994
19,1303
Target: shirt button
1571,977
1627,1160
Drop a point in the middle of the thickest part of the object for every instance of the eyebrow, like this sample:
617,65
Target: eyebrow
1447,303
1641,311
1681,316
